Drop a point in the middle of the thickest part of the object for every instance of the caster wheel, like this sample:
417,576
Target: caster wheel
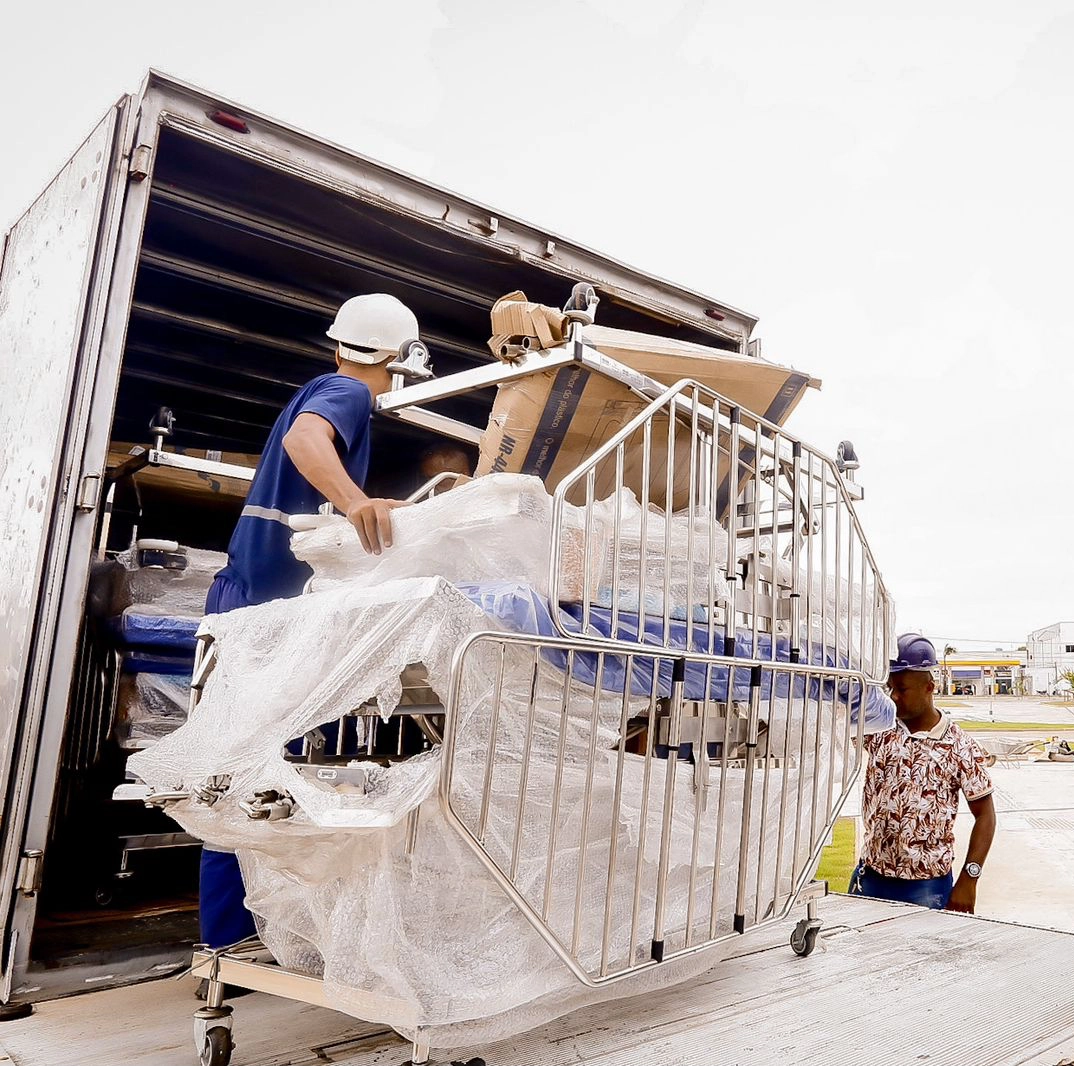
804,939
112,890
580,296
217,1049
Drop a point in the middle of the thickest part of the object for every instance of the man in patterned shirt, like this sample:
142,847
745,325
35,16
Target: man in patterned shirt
916,771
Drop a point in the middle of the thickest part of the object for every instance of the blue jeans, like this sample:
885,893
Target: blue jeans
222,912
932,893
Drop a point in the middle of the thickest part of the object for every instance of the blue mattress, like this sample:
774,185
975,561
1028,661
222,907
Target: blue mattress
177,664
155,633
518,608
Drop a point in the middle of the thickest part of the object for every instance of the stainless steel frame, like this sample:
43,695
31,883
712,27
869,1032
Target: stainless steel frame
783,635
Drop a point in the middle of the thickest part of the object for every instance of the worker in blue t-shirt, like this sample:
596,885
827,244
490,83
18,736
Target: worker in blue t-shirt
318,450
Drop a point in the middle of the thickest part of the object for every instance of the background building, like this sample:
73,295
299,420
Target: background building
1051,652
981,672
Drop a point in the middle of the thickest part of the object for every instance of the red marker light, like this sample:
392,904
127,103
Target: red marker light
226,119
716,315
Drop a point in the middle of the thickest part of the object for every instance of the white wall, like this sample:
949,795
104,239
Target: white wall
1048,654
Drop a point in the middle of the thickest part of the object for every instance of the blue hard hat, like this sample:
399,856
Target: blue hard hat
916,653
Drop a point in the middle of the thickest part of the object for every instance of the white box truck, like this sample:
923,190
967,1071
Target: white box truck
188,257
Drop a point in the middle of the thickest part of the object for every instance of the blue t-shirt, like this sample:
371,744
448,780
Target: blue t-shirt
259,556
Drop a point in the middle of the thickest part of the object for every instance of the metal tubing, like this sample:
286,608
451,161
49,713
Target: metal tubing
747,798
525,774
587,535
490,752
647,768
617,797
678,678
643,546
669,513
557,786
587,803
617,540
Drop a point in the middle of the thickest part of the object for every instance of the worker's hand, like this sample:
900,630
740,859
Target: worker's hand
372,518
963,895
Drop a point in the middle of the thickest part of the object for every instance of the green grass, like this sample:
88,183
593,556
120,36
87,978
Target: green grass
837,861
1006,725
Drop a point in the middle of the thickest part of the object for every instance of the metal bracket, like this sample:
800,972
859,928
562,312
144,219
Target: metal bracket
29,875
158,457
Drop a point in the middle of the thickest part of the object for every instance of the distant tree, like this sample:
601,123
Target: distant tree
947,651
1068,678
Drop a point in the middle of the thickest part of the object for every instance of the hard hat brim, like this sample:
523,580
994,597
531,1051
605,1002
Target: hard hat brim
363,357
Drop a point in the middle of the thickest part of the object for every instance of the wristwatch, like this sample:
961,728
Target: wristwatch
973,869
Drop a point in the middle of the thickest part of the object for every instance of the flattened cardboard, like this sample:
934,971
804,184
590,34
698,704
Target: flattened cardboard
549,423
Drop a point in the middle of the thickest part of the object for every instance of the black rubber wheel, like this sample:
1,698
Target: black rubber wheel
439,1064
104,895
803,939
11,1012
217,1049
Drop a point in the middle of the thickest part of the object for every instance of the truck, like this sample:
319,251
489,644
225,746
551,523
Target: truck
163,297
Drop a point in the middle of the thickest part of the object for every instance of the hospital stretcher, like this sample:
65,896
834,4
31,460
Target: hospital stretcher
747,696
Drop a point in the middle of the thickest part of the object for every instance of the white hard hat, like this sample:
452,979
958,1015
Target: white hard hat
371,328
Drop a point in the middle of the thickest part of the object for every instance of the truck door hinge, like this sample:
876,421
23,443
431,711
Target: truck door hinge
29,877
141,163
89,492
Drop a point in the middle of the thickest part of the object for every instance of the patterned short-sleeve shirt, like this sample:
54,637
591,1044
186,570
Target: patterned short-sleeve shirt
910,798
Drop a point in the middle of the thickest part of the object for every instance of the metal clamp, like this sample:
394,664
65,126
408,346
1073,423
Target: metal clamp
213,789
268,805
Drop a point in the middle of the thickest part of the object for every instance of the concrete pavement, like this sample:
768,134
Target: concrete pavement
1029,875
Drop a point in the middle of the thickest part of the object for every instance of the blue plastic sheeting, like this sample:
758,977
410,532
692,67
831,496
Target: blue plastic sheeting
519,609
155,632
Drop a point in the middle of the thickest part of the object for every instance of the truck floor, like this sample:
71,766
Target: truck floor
888,984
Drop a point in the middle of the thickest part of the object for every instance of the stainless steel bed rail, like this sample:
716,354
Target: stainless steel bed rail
623,861
698,512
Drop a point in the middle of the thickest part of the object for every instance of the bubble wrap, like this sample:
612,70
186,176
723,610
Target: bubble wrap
159,591
332,888
150,706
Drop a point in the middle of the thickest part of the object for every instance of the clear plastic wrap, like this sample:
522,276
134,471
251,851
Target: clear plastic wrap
496,529
332,887
150,706
163,590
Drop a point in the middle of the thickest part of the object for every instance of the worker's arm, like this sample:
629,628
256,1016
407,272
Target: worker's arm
964,894
310,445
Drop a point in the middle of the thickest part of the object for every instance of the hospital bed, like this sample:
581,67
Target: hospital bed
644,762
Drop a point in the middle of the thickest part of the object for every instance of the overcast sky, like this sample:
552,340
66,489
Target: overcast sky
890,194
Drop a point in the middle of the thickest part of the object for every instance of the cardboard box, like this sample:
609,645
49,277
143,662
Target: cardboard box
549,423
